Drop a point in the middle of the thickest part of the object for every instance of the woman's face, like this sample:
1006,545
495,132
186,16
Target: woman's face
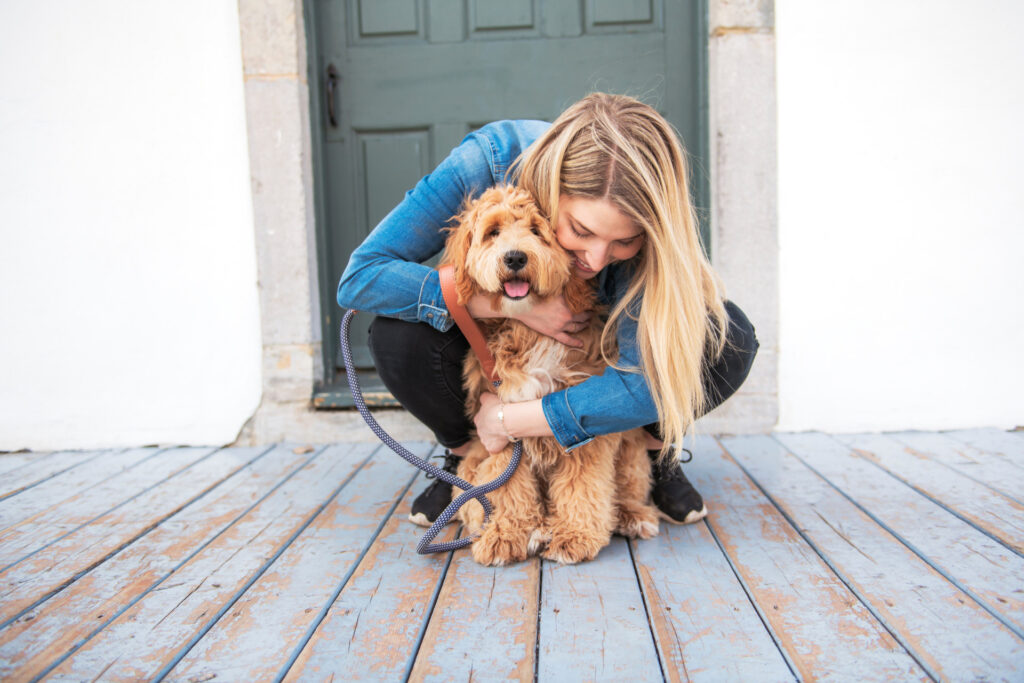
596,233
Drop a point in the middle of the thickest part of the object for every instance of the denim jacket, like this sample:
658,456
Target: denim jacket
386,276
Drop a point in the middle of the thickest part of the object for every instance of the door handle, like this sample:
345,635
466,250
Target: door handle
332,78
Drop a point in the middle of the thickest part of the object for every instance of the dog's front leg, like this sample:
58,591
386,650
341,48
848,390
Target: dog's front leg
581,502
518,508
472,513
637,518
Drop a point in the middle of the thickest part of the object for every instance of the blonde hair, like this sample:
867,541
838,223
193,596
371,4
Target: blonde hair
616,148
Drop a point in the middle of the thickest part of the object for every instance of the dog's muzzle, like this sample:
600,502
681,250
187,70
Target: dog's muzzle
515,260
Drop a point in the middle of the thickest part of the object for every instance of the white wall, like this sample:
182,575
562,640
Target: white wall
901,214
128,293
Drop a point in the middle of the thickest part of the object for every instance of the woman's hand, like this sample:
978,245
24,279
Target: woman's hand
553,318
488,427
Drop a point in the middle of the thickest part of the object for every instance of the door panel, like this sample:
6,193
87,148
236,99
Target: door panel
606,12
417,75
388,17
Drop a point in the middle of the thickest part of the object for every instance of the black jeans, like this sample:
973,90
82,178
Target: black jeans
423,370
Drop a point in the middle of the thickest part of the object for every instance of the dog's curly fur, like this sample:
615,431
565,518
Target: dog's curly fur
564,505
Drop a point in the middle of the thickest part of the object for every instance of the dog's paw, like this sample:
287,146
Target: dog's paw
496,547
638,522
573,548
539,538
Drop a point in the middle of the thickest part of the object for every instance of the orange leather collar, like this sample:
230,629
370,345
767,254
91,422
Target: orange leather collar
465,322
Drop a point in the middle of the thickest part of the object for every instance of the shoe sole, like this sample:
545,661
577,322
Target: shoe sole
691,516
420,519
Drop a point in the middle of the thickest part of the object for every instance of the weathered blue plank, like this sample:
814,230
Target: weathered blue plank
50,630
926,612
55,491
154,632
484,625
995,514
374,627
221,553
21,541
994,470
254,643
12,461
824,629
704,623
40,469
592,621
1009,445
987,569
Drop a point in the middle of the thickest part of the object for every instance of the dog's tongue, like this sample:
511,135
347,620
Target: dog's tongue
517,288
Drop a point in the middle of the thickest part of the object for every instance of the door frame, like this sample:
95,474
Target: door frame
281,85
329,312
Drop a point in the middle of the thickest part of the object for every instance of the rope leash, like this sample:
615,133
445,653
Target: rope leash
469,491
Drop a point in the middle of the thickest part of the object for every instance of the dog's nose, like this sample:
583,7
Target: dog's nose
515,260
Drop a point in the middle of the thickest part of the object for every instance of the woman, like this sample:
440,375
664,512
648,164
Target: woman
611,174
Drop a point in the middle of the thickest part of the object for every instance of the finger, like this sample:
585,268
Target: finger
581,318
569,340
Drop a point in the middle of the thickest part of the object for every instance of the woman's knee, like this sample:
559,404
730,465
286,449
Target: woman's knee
729,372
742,335
422,368
403,351
396,345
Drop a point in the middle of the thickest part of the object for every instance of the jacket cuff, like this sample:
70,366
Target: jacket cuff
431,308
566,428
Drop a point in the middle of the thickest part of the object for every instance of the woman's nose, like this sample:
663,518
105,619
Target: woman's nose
598,257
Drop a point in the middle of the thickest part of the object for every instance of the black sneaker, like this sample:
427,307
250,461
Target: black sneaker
429,505
673,493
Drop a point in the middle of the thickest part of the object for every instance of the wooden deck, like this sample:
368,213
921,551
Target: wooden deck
874,557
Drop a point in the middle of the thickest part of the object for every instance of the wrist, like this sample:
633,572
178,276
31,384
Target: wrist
480,306
504,425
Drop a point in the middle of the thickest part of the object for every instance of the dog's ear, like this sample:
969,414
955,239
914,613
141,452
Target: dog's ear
464,286
456,248
456,245
579,295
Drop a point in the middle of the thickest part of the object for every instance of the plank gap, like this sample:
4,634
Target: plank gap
155,585
322,614
842,578
750,597
429,612
647,609
256,575
984,604
948,508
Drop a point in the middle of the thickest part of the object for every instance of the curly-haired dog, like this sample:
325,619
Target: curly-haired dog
564,504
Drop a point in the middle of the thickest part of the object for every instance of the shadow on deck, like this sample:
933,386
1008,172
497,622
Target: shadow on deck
867,557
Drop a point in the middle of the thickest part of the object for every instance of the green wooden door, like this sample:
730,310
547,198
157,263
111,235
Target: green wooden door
396,84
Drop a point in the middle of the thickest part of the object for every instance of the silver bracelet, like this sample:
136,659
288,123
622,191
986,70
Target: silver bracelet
501,419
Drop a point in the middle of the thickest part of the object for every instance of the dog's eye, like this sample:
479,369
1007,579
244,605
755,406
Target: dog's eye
535,231
492,233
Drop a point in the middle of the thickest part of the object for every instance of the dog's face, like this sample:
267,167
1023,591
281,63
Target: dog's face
503,247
